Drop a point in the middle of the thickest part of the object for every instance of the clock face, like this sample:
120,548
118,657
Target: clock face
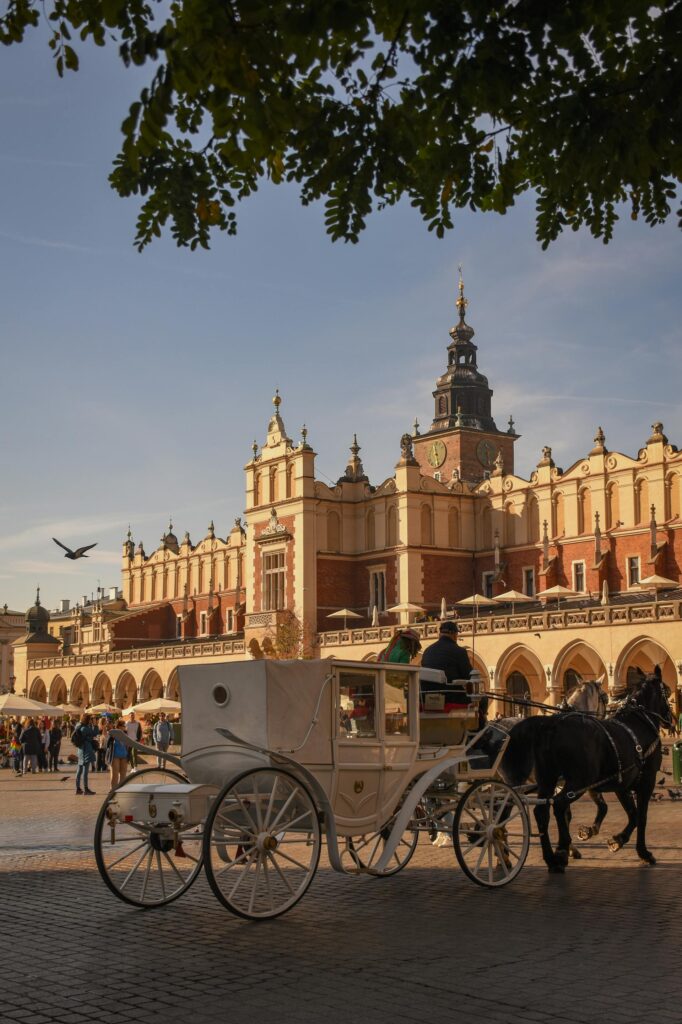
436,454
486,453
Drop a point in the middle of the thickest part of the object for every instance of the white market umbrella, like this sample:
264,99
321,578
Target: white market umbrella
98,709
556,592
443,608
476,601
70,709
406,608
14,704
344,613
605,593
657,583
375,616
153,706
513,597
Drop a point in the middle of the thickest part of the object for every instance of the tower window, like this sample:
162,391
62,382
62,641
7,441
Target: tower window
273,573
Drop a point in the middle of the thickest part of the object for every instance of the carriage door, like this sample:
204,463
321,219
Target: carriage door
359,755
400,745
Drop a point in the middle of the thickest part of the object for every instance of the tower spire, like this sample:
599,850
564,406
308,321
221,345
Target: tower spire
461,302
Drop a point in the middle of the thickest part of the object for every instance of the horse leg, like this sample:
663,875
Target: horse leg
573,850
587,831
541,812
627,802
644,791
562,813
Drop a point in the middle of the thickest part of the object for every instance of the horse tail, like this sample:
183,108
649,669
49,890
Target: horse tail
518,762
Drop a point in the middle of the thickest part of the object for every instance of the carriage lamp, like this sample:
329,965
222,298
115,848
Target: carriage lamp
175,813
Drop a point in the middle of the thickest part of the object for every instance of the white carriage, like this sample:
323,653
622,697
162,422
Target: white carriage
277,756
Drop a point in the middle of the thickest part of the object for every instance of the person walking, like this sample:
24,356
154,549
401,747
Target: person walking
83,735
134,730
161,735
31,745
55,746
101,748
15,745
117,756
44,747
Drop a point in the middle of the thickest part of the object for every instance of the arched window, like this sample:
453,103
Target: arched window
585,511
426,525
558,515
333,531
392,527
370,532
612,506
273,485
641,501
533,510
256,488
453,528
442,406
509,524
291,482
672,496
487,528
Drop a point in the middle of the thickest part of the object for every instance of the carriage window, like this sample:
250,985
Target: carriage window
397,718
357,710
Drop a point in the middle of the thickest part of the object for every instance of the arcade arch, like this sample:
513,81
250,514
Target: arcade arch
38,691
58,691
520,673
645,653
80,691
126,690
173,686
578,660
102,689
151,685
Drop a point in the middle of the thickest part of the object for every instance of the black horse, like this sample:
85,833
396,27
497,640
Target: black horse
621,755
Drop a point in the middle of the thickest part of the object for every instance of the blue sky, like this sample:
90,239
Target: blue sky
134,385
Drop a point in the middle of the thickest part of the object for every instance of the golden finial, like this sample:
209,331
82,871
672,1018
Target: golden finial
276,401
461,302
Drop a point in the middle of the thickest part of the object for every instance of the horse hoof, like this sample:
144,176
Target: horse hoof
585,833
648,858
556,869
576,854
614,845
561,857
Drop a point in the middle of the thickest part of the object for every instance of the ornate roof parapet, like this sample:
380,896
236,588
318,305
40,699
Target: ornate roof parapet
657,435
546,459
276,429
498,465
128,545
599,443
274,530
355,472
255,448
304,439
415,428
210,535
170,541
139,550
407,452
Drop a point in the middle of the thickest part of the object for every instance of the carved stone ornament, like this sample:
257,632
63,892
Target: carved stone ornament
406,450
274,527
657,434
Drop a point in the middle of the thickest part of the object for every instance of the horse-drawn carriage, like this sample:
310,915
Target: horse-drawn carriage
277,755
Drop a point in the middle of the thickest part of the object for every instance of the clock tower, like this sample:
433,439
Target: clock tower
463,438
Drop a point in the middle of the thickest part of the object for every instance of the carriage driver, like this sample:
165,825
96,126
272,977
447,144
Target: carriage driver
450,658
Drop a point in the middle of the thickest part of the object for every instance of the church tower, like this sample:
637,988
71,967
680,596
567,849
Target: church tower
463,441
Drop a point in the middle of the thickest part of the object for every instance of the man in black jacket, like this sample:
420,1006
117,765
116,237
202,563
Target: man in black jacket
450,658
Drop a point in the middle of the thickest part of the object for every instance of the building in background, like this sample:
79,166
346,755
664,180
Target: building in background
11,628
452,519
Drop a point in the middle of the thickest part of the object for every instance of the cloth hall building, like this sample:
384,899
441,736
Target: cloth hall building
451,519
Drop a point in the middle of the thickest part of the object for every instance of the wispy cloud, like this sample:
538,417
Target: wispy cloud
50,243
81,527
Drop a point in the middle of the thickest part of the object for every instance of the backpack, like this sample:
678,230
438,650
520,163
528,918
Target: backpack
77,738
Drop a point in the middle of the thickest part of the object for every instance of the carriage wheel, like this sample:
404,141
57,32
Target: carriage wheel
491,833
365,851
262,843
143,863
157,776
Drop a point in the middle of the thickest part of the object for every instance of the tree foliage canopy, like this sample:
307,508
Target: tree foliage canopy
451,103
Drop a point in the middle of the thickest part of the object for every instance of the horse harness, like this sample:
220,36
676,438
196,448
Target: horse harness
640,755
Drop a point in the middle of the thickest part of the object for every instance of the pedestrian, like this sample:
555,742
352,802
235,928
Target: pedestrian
101,748
55,746
161,735
15,745
134,730
31,745
83,735
116,755
45,746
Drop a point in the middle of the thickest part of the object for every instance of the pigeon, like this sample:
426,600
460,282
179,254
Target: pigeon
78,553
674,795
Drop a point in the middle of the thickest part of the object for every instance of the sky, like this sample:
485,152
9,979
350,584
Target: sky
133,385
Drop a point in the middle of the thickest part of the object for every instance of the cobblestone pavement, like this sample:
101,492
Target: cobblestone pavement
599,944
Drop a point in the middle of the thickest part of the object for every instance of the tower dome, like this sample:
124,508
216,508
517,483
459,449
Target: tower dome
37,617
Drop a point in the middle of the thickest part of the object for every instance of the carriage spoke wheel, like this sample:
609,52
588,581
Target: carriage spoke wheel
262,843
143,863
364,852
491,833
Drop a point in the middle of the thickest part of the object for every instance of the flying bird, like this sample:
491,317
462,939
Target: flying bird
78,553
